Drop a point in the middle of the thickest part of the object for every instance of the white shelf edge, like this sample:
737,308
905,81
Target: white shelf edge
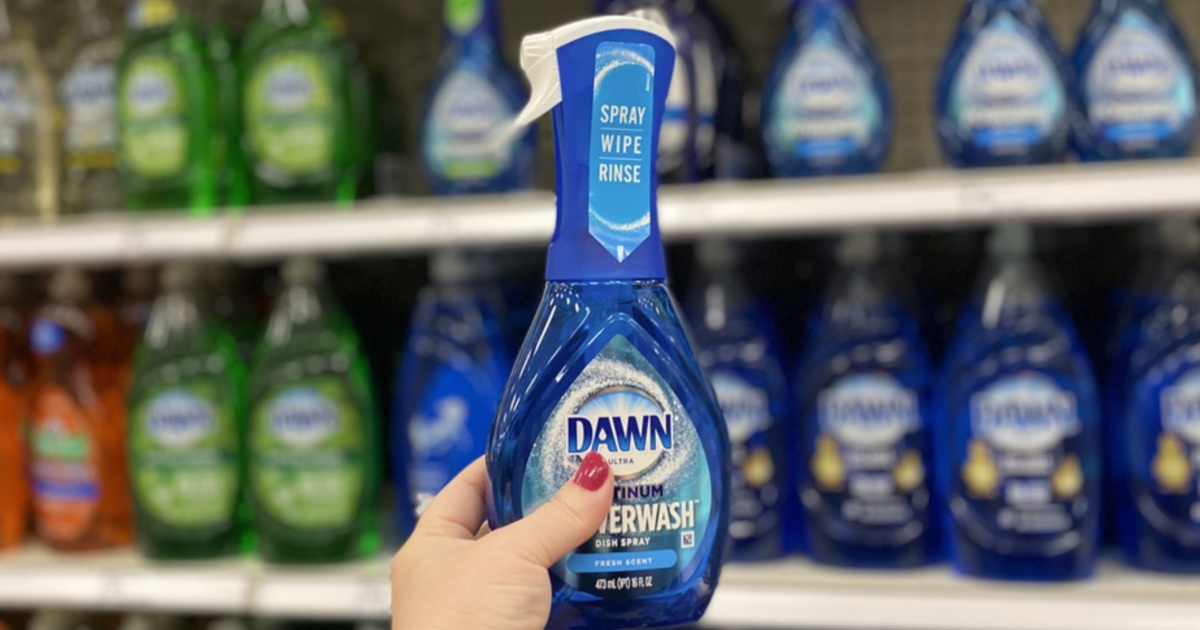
1063,193
784,594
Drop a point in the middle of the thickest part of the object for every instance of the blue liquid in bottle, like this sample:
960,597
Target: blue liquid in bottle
474,94
451,375
1137,84
1155,439
737,347
827,109
864,401
1018,429
607,365
1004,95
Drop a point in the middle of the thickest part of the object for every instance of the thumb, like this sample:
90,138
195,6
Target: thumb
571,516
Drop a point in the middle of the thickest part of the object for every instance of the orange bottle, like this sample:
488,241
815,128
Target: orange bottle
14,411
80,482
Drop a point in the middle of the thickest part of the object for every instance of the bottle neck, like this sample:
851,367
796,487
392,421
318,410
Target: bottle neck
6,25
472,20
93,24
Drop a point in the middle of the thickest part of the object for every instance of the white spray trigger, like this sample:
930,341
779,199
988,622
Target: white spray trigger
539,59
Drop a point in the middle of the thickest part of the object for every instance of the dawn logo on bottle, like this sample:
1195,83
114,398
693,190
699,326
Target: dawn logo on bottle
151,89
868,411
178,419
303,418
626,426
1025,413
1008,82
1181,407
89,98
463,115
289,87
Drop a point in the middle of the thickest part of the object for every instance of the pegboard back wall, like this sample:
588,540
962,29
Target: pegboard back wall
404,38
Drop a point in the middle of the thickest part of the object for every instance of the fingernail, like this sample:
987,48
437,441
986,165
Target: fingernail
592,473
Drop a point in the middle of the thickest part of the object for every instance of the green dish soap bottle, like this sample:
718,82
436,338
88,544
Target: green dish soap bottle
166,111
186,420
222,53
314,429
296,110
28,156
87,94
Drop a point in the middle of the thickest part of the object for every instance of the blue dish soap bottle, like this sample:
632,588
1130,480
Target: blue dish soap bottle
1018,430
865,448
1156,436
737,347
452,372
1004,95
1137,84
827,109
607,365
475,95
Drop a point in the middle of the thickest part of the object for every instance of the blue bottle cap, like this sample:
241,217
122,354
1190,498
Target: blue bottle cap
606,80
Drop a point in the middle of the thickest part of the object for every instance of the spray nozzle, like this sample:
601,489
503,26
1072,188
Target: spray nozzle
539,58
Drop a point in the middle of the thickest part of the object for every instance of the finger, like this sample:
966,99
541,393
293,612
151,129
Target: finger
571,516
458,510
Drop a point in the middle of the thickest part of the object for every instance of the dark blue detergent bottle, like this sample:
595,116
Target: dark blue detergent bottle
607,365
737,347
453,369
827,109
473,98
686,136
1018,431
864,394
1004,95
1156,438
1137,84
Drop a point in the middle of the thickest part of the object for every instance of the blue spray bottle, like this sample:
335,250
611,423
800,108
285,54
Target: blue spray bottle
1156,434
1137,84
1018,428
607,365
737,347
1004,95
864,396
451,375
474,94
827,109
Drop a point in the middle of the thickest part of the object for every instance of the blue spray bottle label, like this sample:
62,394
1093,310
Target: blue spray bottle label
754,494
867,464
1165,462
1018,467
1137,90
1007,95
622,408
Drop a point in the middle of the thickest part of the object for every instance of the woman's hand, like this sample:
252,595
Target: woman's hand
453,574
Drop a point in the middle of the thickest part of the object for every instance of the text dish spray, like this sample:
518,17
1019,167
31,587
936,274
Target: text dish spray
607,365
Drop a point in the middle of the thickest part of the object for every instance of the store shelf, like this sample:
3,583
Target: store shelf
1093,192
788,594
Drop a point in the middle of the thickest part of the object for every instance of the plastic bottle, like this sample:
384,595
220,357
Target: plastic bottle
1018,428
688,125
473,96
607,365
167,111
452,372
827,108
295,108
14,411
864,388
28,155
313,429
87,93
1004,94
733,157
1154,436
737,347
186,422
1137,83
80,481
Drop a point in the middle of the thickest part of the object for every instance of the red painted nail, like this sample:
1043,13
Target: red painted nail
592,473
